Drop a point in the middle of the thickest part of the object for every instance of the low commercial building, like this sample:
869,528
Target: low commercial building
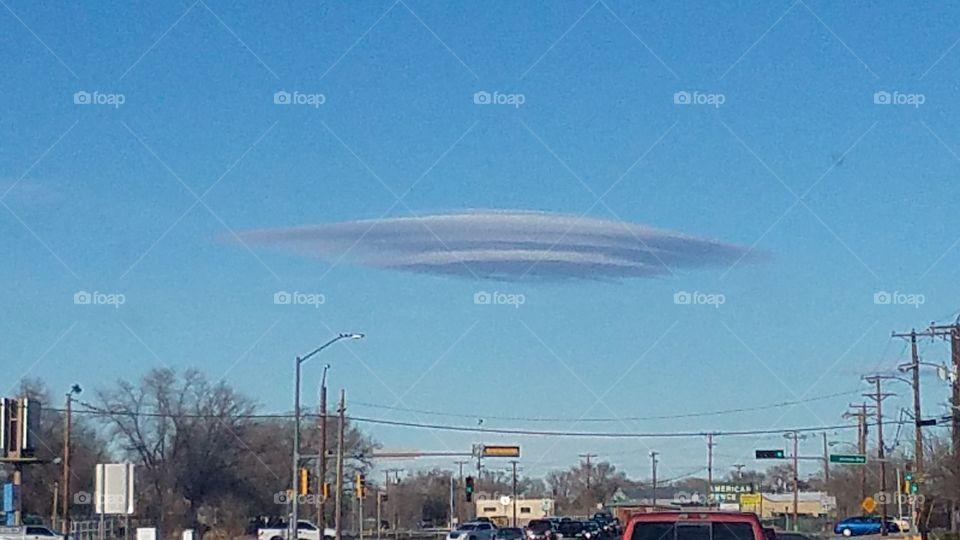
501,510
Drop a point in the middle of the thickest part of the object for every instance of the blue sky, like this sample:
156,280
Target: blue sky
143,199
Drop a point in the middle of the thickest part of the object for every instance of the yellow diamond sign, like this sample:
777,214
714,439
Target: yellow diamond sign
869,505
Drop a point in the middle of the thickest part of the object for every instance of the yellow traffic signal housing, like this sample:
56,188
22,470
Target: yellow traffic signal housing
304,484
359,485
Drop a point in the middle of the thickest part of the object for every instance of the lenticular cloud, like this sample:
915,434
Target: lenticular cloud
507,245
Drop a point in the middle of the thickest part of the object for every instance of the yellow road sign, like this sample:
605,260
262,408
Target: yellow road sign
869,505
501,451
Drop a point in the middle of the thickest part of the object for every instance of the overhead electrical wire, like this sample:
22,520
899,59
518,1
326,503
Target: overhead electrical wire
490,430
676,416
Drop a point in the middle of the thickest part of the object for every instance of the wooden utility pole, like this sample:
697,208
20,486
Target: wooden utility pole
953,331
878,396
796,477
914,368
653,465
338,496
65,480
459,492
396,507
322,460
860,412
826,460
710,445
514,498
588,457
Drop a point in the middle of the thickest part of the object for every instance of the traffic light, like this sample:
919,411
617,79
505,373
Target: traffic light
770,454
468,488
361,478
909,485
304,485
325,490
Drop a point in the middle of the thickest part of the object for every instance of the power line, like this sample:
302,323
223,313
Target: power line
490,430
778,404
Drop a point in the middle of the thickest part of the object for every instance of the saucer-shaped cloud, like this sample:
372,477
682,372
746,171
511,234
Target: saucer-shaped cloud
505,244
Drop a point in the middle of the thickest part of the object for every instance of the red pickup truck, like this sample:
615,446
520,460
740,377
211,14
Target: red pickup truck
694,526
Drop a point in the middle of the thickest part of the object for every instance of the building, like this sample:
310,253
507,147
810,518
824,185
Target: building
770,506
809,503
500,511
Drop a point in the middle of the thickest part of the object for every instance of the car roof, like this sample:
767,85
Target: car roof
695,516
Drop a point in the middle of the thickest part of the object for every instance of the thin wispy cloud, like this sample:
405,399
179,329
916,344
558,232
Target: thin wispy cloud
509,245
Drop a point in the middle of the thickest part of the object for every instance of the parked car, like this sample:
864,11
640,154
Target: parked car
592,530
509,533
474,530
29,532
602,517
570,529
541,529
306,530
694,526
860,525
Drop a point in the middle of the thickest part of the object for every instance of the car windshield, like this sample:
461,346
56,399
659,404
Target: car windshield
468,527
570,527
692,531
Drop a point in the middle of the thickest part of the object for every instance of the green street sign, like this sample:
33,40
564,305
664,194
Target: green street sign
849,459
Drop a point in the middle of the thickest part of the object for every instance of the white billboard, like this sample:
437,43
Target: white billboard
114,489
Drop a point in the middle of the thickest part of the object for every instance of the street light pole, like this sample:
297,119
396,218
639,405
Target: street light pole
295,466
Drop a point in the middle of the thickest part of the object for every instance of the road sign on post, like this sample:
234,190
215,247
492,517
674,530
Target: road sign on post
849,459
500,451
114,489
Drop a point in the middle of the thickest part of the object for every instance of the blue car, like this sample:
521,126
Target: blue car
856,526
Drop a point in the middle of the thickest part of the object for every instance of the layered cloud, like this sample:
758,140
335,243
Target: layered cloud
507,245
